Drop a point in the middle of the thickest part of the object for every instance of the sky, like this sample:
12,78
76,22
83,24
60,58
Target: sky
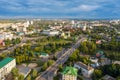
60,8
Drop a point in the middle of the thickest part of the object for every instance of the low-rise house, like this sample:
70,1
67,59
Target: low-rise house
116,62
98,42
41,54
85,69
100,54
44,55
20,33
104,61
29,32
94,61
6,65
69,73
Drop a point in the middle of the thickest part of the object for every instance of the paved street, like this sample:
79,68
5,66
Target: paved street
49,73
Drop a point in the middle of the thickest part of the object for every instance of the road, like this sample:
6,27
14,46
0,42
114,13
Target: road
9,49
50,71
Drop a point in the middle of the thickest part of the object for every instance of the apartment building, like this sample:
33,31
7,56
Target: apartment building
69,73
6,65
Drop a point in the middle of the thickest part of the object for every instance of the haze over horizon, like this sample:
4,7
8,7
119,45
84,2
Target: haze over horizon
60,8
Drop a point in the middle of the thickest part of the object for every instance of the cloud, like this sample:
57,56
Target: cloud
89,8
85,7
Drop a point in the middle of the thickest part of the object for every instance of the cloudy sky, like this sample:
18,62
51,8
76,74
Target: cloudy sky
60,8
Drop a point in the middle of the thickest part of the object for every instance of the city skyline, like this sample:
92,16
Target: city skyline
60,8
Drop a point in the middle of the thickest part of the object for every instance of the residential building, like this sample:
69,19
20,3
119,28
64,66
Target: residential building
26,24
100,54
31,22
115,22
85,69
94,61
98,42
41,54
6,65
104,61
72,22
5,25
69,73
21,29
116,62
29,32
6,35
50,32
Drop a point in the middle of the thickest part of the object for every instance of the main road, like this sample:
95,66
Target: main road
50,71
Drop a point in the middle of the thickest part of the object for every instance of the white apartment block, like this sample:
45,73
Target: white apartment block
50,32
6,65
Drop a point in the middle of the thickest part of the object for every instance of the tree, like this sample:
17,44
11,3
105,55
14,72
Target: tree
60,67
7,42
88,47
15,72
28,78
44,67
80,78
34,73
56,77
21,77
118,78
97,74
112,69
50,62
73,57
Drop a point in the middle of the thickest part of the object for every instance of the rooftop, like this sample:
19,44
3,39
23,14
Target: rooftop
100,52
70,71
24,71
5,61
43,53
84,66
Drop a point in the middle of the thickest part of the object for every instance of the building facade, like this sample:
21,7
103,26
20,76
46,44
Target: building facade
85,70
50,32
6,65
